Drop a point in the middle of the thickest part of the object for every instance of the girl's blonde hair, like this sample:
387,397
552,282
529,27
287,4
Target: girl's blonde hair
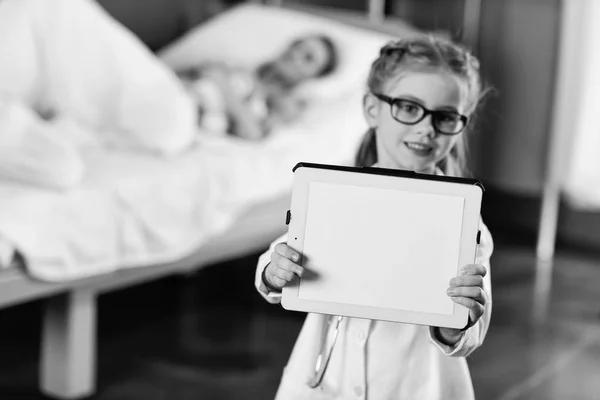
417,54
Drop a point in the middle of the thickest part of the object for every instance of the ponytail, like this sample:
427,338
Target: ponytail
366,155
454,163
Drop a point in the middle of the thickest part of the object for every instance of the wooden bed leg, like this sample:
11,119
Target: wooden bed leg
68,351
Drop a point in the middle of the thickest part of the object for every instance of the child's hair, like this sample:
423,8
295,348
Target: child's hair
416,54
332,52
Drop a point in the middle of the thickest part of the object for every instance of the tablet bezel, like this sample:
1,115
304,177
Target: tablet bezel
471,190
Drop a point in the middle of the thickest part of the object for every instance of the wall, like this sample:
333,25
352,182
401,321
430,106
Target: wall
159,22
358,5
431,15
518,50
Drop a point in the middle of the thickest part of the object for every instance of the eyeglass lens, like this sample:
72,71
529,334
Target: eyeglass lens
409,112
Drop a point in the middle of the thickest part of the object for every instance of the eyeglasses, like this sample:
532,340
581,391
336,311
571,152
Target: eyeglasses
411,113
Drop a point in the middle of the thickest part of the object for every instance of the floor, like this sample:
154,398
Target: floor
172,339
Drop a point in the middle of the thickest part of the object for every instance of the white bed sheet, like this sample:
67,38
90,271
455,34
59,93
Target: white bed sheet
134,209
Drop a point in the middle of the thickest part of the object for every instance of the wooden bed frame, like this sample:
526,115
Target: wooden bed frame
68,359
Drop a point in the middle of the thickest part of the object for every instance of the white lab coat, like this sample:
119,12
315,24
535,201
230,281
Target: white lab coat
377,360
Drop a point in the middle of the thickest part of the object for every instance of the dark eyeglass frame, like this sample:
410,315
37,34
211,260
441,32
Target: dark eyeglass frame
393,100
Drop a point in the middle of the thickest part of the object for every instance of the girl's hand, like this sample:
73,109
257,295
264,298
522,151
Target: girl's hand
467,290
283,267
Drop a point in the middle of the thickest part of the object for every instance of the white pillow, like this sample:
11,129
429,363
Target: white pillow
250,34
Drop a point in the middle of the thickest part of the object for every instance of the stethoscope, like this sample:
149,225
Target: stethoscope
326,349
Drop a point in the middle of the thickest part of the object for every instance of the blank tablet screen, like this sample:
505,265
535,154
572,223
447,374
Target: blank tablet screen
413,238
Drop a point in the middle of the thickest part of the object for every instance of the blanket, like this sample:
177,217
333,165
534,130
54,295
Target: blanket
101,164
134,210
68,59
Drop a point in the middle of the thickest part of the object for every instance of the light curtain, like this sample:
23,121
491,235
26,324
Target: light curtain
580,128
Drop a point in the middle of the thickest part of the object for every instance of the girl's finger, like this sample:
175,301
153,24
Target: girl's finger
475,309
278,282
467,280
287,252
473,269
286,264
476,313
473,292
287,276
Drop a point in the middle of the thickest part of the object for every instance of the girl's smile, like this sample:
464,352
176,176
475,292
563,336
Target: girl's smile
420,149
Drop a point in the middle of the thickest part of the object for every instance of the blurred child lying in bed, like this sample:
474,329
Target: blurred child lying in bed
248,104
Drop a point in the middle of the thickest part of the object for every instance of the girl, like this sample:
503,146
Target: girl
421,94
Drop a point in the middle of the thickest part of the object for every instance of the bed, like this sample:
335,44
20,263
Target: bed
136,218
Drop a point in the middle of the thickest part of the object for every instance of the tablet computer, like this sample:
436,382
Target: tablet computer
381,244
